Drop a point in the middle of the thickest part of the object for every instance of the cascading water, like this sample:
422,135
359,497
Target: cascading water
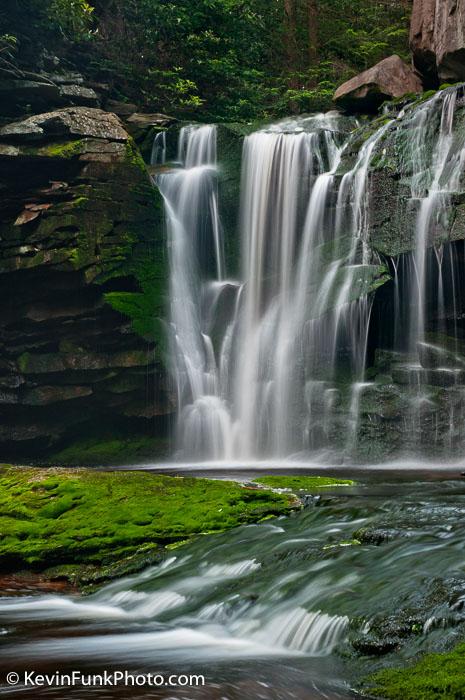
435,156
436,176
301,307
196,254
272,364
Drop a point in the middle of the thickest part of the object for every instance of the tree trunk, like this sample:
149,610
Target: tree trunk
291,40
312,23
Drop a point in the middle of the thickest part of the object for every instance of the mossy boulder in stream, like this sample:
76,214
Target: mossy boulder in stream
74,518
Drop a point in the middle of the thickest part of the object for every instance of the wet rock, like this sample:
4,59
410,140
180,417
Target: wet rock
388,79
434,357
371,646
415,375
377,536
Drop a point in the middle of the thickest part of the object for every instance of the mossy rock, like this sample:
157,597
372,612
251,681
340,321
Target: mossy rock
302,483
433,676
56,516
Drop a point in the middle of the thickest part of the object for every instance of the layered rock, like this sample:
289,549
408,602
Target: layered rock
81,282
437,40
388,79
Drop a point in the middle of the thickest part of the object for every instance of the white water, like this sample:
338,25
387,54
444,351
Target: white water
247,352
435,177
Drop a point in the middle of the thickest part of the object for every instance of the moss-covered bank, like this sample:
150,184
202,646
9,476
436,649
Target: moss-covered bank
432,677
302,483
68,518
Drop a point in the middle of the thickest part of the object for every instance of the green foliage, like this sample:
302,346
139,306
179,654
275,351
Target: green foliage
215,60
433,676
110,452
72,17
58,516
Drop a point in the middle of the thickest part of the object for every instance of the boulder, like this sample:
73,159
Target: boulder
122,109
422,40
68,122
78,95
141,120
386,80
437,40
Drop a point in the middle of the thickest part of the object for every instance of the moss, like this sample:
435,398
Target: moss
302,483
23,362
133,155
433,676
58,516
67,149
104,452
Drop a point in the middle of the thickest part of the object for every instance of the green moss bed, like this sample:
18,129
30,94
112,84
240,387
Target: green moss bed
433,676
55,516
302,483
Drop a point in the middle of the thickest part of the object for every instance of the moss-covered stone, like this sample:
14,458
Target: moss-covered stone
302,483
433,676
57,516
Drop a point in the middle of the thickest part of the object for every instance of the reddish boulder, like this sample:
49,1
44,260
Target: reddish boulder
422,40
437,40
386,80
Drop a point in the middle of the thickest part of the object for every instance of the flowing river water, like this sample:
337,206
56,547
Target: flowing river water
289,608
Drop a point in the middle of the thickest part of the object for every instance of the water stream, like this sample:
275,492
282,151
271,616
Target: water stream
276,610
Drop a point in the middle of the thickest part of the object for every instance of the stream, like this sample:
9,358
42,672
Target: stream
289,608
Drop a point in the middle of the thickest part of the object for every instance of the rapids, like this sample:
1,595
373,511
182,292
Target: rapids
299,591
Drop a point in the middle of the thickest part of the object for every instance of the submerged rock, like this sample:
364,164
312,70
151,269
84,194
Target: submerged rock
377,535
390,78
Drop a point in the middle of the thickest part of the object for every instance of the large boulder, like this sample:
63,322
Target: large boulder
422,40
69,122
386,80
437,40
82,246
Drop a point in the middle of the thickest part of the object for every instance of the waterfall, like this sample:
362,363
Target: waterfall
435,159
435,178
197,265
256,360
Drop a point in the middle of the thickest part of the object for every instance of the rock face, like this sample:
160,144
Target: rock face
81,284
437,40
388,79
